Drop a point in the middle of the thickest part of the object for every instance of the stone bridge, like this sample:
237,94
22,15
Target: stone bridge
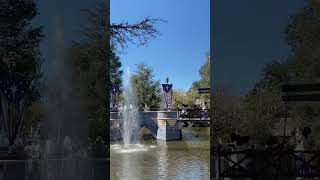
163,125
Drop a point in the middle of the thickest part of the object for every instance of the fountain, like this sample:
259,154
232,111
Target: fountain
64,129
130,125
60,150
161,124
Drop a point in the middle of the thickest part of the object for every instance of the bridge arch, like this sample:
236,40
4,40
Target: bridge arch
151,125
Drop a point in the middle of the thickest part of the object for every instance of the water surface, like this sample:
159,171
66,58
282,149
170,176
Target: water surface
161,160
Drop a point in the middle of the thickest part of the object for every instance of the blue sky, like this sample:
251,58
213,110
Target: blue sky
177,53
185,39
248,35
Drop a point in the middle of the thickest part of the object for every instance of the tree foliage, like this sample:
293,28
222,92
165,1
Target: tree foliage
93,57
304,65
19,43
262,107
19,50
204,82
90,60
179,98
122,33
89,70
138,33
146,88
115,69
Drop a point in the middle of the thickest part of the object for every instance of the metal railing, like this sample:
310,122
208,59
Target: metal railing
193,114
272,163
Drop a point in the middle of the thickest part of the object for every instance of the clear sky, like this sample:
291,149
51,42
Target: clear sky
178,53
246,35
185,39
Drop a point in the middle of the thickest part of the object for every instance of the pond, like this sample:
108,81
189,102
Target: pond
161,160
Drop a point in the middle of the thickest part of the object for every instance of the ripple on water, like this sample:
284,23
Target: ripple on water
131,148
181,160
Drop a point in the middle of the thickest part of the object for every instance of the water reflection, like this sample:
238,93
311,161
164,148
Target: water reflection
161,160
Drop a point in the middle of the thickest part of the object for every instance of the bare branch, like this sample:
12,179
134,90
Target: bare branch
139,33
121,34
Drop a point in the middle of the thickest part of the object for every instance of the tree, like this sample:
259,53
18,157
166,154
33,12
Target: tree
205,73
96,66
90,61
115,69
192,95
303,38
19,50
204,82
116,73
146,88
263,105
226,115
88,68
121,33
19,43
179,98
138,33
304,65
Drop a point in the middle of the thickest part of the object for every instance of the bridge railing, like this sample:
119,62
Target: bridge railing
275,163
185,114
193,113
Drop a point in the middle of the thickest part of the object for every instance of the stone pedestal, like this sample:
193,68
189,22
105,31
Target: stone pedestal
168,132
167,128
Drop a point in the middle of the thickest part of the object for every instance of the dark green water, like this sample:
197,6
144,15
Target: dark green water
164,160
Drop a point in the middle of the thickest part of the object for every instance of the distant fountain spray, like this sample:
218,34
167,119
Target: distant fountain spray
64,127
130,126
